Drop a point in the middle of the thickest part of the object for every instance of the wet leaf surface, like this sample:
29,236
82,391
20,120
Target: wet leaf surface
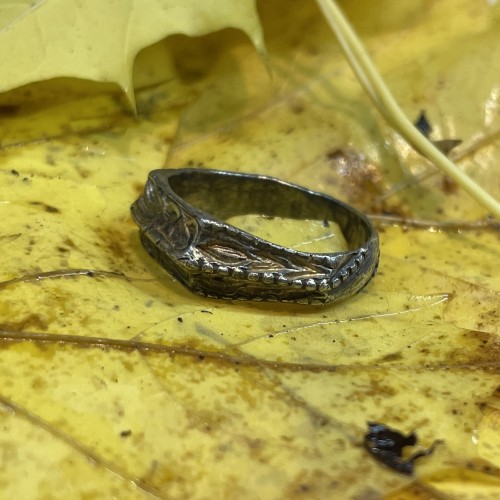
116,380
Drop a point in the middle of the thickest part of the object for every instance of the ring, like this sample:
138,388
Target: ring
181,216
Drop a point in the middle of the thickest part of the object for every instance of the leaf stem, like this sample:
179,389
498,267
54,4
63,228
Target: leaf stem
375,87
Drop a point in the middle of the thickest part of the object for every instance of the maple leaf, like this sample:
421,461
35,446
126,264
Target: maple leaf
98,40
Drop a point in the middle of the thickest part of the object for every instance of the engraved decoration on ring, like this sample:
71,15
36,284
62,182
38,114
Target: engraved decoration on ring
215,259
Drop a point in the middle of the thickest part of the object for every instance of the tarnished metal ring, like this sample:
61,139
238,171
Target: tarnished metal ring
182,214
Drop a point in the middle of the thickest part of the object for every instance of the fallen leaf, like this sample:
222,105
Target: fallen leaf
116,380
99,41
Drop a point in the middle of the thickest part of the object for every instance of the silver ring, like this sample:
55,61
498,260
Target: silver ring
181,218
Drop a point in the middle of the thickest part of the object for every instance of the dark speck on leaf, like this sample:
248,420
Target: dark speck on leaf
423,125
48,208
14,172
444,145
180,320
387,444
125,433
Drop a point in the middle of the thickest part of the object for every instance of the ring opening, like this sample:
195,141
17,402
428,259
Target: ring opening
226,195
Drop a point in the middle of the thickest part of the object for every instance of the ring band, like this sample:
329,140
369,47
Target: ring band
181,218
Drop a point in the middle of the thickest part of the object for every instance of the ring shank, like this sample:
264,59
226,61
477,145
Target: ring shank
224,196
182,216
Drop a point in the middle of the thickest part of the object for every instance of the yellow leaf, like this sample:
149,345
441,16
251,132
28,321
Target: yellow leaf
117,381
98,40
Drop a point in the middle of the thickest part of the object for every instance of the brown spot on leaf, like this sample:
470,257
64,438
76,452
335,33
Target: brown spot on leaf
48,208
30,322
8,110
70,243
117,243
297,106
313,483
448,186
446,145
486,350
138,187
361,180
38,383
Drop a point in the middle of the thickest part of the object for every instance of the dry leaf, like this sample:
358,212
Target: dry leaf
118,381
